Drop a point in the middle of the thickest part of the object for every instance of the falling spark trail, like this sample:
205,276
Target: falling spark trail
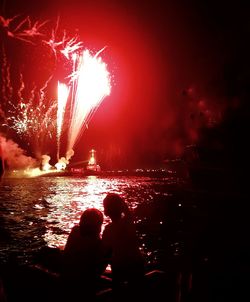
92,85
63,93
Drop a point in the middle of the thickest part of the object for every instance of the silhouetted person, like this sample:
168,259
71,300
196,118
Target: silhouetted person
121,247
82,260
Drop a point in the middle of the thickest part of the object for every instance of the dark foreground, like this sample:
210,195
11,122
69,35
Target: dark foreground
202,250
35,284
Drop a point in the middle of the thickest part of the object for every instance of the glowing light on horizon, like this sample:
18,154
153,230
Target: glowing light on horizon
32,172
92,159
61,164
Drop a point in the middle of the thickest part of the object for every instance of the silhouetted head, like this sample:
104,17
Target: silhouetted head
91,222
114,206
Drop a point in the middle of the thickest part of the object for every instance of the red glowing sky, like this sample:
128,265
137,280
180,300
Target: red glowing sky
155,51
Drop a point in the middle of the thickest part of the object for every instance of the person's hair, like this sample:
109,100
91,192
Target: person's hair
91,222
115,206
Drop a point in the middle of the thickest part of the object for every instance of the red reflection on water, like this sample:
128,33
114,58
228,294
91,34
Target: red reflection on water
69,200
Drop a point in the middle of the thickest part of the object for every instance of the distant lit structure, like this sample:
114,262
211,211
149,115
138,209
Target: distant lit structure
92,165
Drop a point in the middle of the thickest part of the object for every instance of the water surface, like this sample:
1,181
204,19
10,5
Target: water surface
37,212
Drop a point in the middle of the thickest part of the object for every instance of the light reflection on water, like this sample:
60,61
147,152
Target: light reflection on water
69,199
41,211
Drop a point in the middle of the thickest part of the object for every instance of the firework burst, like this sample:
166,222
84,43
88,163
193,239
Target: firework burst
33,110
91,84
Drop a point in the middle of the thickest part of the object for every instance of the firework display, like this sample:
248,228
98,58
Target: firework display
50,84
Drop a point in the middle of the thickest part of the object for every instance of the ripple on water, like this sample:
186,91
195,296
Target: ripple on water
37,212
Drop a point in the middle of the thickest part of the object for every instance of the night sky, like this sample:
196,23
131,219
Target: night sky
177,68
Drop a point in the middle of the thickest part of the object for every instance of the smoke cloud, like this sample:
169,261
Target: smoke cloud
14,156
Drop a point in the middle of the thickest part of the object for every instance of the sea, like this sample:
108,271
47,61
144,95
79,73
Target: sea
198,235
40,212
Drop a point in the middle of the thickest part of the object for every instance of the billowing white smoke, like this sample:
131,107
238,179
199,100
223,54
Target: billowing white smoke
14,156
64,161
45,162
